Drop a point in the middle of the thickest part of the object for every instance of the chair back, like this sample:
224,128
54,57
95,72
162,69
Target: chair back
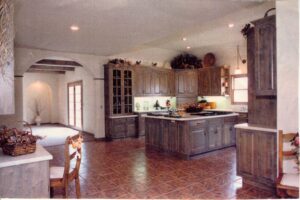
285,150
72,151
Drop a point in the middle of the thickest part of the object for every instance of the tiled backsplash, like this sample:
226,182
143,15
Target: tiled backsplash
224,102
147,103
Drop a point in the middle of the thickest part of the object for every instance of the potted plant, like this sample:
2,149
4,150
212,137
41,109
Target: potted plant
38,110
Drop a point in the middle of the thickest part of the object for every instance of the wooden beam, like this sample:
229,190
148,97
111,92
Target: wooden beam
51,67
59,62
45,71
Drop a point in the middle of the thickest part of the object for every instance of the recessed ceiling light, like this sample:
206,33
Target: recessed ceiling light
231,25
74,28
188,47
184,39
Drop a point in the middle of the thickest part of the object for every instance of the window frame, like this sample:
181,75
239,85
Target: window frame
232,77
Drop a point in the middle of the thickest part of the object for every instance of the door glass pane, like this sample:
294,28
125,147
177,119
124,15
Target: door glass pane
71,106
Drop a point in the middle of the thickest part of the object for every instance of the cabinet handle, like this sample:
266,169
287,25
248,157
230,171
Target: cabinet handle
216,131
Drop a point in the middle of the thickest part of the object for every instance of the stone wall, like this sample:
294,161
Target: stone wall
7,105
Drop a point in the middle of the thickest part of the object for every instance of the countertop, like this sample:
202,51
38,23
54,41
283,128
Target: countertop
149,111
122,116
227,110
40,154
191,117
247,127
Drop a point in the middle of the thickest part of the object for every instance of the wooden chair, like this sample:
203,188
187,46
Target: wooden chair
287,184
61,176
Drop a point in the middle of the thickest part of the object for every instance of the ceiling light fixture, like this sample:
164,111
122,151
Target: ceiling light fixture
188,47
74,28
231,25
184,39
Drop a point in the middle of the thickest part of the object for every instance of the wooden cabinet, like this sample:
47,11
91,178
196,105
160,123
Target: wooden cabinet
121,127
186,83
119,86
198,136
119,90
213,81
189,138
261,76
151,81
215,134
256,157
229,131
265,56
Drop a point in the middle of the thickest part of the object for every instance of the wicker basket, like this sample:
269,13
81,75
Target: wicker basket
18,149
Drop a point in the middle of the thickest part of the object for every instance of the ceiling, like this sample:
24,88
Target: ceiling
112,27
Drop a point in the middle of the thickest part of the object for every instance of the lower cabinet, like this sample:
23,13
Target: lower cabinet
188,138
256,157
122,127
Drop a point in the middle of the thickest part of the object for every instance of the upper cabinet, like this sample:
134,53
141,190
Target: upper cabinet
213,81
186,83
151,81
119,90
265,56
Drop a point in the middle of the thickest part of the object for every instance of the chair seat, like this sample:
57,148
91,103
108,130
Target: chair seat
290,180
57,172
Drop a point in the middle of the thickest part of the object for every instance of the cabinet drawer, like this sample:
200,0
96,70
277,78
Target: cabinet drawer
131,120
215,121
118,121
198,124
230,119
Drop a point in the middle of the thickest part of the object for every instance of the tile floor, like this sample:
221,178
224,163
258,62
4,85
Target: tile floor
123,169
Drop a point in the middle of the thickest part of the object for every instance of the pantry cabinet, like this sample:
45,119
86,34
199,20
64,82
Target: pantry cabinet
265,56
256,156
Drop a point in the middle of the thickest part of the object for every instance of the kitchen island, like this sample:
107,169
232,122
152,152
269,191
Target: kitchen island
190,135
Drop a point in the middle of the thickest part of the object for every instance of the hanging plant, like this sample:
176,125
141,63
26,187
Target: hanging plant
186,61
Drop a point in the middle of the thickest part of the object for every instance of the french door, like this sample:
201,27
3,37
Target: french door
75,104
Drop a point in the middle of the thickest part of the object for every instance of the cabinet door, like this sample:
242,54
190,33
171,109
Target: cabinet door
191,83
198,141
128,86
245,152
204,83
147,81
214,136
215,81
265,57
265,156
131,127
155,84
228,134
171,83
180,83
139,82
173,136
163,83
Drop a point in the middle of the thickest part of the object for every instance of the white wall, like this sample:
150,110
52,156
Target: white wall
41,88
287,65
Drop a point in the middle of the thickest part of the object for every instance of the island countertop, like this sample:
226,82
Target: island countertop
40,154
189,117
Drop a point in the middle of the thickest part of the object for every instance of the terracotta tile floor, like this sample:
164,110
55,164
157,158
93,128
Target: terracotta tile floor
123,169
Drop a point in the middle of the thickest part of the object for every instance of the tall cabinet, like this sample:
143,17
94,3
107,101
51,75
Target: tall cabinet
119,89
256,141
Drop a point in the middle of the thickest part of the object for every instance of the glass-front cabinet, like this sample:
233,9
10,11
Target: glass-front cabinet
121,96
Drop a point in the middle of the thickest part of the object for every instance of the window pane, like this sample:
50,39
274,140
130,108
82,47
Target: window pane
240,96
240,83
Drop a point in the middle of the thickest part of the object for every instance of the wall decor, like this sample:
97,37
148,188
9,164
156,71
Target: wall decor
186,61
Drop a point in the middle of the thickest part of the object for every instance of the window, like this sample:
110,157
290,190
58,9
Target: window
75,104
239,89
